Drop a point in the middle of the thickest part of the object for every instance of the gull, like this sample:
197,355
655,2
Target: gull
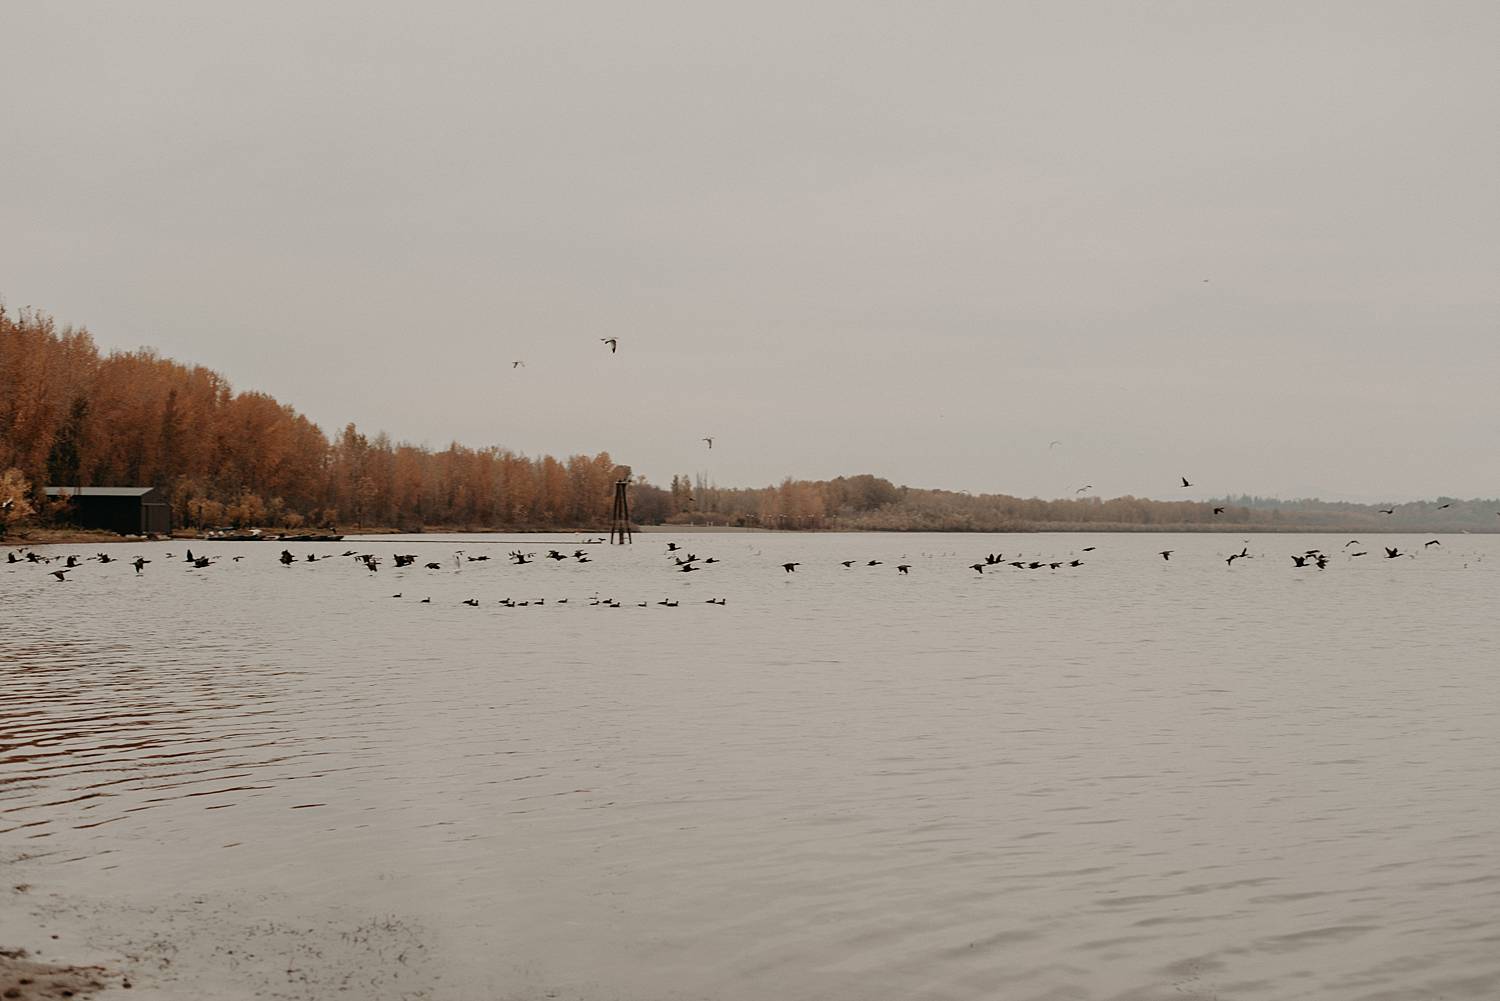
613,342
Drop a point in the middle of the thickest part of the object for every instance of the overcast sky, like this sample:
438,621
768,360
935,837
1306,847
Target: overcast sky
1254,243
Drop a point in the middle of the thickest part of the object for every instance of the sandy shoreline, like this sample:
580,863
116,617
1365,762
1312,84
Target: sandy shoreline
23,978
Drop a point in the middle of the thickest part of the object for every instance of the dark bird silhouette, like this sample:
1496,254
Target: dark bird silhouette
518,364
903,568
106,558
1351,542
1232,558
395,596
671,547
1166,554
1441,506
71,563
1301,561
873,563
12,558
1089,549
287,558
613,342
189,556
434,566
1352,555
201,562
848,564
140,562
1434,542
977,566
689,568
709,440
472,602
1218,510
1391,554
1387,510
1185,482
425,601
790,567
59,573
1321,562
1086,486
1076,563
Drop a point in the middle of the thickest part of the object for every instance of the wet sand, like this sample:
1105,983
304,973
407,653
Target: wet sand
23,978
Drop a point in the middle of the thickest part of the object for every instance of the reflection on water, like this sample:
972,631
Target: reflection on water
1128,779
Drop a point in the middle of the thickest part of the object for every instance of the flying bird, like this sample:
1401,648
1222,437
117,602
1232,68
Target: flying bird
710,442
1391,554
903,568
1434,542
790,567
518,364
1166,554
1087,486
1387,510
613,342
1441,506
1053,444
1185,482
1218,510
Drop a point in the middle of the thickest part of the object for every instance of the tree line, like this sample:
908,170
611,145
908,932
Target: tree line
72,416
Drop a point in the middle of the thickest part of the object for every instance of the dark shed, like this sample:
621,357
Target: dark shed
127,510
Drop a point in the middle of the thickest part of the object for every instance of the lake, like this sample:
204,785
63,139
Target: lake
1132,779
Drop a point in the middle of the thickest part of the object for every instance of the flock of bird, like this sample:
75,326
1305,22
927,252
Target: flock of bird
678,559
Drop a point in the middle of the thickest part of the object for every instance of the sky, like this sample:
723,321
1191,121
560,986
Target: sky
1256,244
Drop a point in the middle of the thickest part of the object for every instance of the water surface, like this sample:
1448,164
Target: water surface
1133,779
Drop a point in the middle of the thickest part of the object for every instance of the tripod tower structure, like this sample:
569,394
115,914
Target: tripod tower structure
619,519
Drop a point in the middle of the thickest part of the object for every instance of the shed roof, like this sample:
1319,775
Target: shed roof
98,491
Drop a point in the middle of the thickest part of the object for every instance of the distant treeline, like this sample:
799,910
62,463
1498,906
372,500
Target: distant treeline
71,416
869,503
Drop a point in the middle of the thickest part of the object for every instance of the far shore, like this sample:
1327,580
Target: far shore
86,537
